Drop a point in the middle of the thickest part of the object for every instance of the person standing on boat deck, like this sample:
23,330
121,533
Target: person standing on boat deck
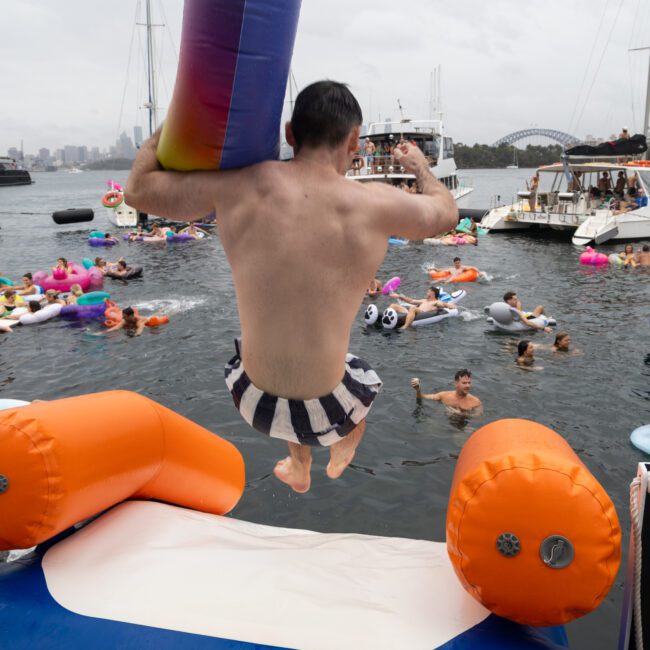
293,229
624,134
532,188
619,188
632,181
604,183
575,183
369,150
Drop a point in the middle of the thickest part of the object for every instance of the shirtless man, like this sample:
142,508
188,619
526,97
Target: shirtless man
643,256
290,230
459,398
429,303
457,268
129,322
510,297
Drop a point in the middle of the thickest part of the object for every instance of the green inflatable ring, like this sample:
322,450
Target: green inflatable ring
87,262
93,298
6,281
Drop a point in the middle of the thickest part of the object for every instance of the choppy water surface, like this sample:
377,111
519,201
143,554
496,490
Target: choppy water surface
400,479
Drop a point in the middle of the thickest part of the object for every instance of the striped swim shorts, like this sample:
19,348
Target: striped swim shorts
320,421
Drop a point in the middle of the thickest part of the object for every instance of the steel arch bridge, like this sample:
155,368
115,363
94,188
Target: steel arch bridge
559,136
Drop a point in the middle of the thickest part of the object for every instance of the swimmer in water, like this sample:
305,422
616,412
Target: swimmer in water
525,354
374,288
628,256
75,294
458,399
129,322
643,256
27,288
562,342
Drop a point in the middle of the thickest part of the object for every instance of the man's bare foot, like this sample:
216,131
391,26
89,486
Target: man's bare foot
342,453
296,475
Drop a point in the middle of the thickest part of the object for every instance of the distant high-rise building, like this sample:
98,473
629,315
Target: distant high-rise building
94,155
12,152
124,147
70,154
44,155
59,155
82,153
137,136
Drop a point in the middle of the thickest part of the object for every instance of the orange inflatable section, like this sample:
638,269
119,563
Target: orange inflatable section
69,459
531,533
440,275
470,275
157,321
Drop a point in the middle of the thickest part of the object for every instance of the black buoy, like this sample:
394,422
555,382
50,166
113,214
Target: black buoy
73,215
472,213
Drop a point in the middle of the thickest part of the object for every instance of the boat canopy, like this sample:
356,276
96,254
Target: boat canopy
584,168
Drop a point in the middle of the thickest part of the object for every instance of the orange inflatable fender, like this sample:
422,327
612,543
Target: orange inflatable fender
66,460
531,533
468,275
439,275
156,321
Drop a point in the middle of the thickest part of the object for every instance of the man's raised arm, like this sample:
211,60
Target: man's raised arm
175,195
416,216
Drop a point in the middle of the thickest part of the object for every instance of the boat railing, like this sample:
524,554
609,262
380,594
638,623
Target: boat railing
363,165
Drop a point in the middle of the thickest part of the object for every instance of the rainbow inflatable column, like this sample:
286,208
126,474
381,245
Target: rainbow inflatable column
230,86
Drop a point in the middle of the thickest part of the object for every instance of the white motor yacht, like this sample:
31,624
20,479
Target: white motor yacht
427,135
576,205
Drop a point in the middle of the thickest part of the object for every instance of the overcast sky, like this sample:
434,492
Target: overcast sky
506,64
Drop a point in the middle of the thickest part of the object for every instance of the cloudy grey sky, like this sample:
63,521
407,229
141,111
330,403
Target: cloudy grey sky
506,64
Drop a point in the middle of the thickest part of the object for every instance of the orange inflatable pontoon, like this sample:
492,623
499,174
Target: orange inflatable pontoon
469,275
69,459
531,533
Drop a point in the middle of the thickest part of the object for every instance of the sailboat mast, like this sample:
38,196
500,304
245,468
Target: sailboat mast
151,82
646,118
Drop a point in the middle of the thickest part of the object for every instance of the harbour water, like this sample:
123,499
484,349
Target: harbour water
399,481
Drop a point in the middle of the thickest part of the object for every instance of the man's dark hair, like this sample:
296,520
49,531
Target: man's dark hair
34,306
122,264
522,346
436,291
509,295
456,259
462,373
28,275
632,191
324,113
128,312
646,248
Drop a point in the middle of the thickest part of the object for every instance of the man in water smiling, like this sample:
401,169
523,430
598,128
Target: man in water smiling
291,230
458,399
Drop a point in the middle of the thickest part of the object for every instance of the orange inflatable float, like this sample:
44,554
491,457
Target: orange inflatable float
113,316
69,459
530,532
468,275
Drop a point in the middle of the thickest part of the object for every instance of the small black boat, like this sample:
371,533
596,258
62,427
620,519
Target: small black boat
11,175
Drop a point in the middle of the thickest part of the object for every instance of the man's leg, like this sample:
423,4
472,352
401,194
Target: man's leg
398,308
410,317
295,469
342,452
538,311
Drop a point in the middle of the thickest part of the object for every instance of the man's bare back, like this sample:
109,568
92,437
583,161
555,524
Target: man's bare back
304,243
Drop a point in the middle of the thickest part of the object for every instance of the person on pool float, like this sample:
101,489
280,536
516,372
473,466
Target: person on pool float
510,297
129,322
457,268
459,398
109,237
106,267
62,264
525,353
9,301
32,305
27,288
52,298
121,269
194,231
420,305
628,256
297,228
74,295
